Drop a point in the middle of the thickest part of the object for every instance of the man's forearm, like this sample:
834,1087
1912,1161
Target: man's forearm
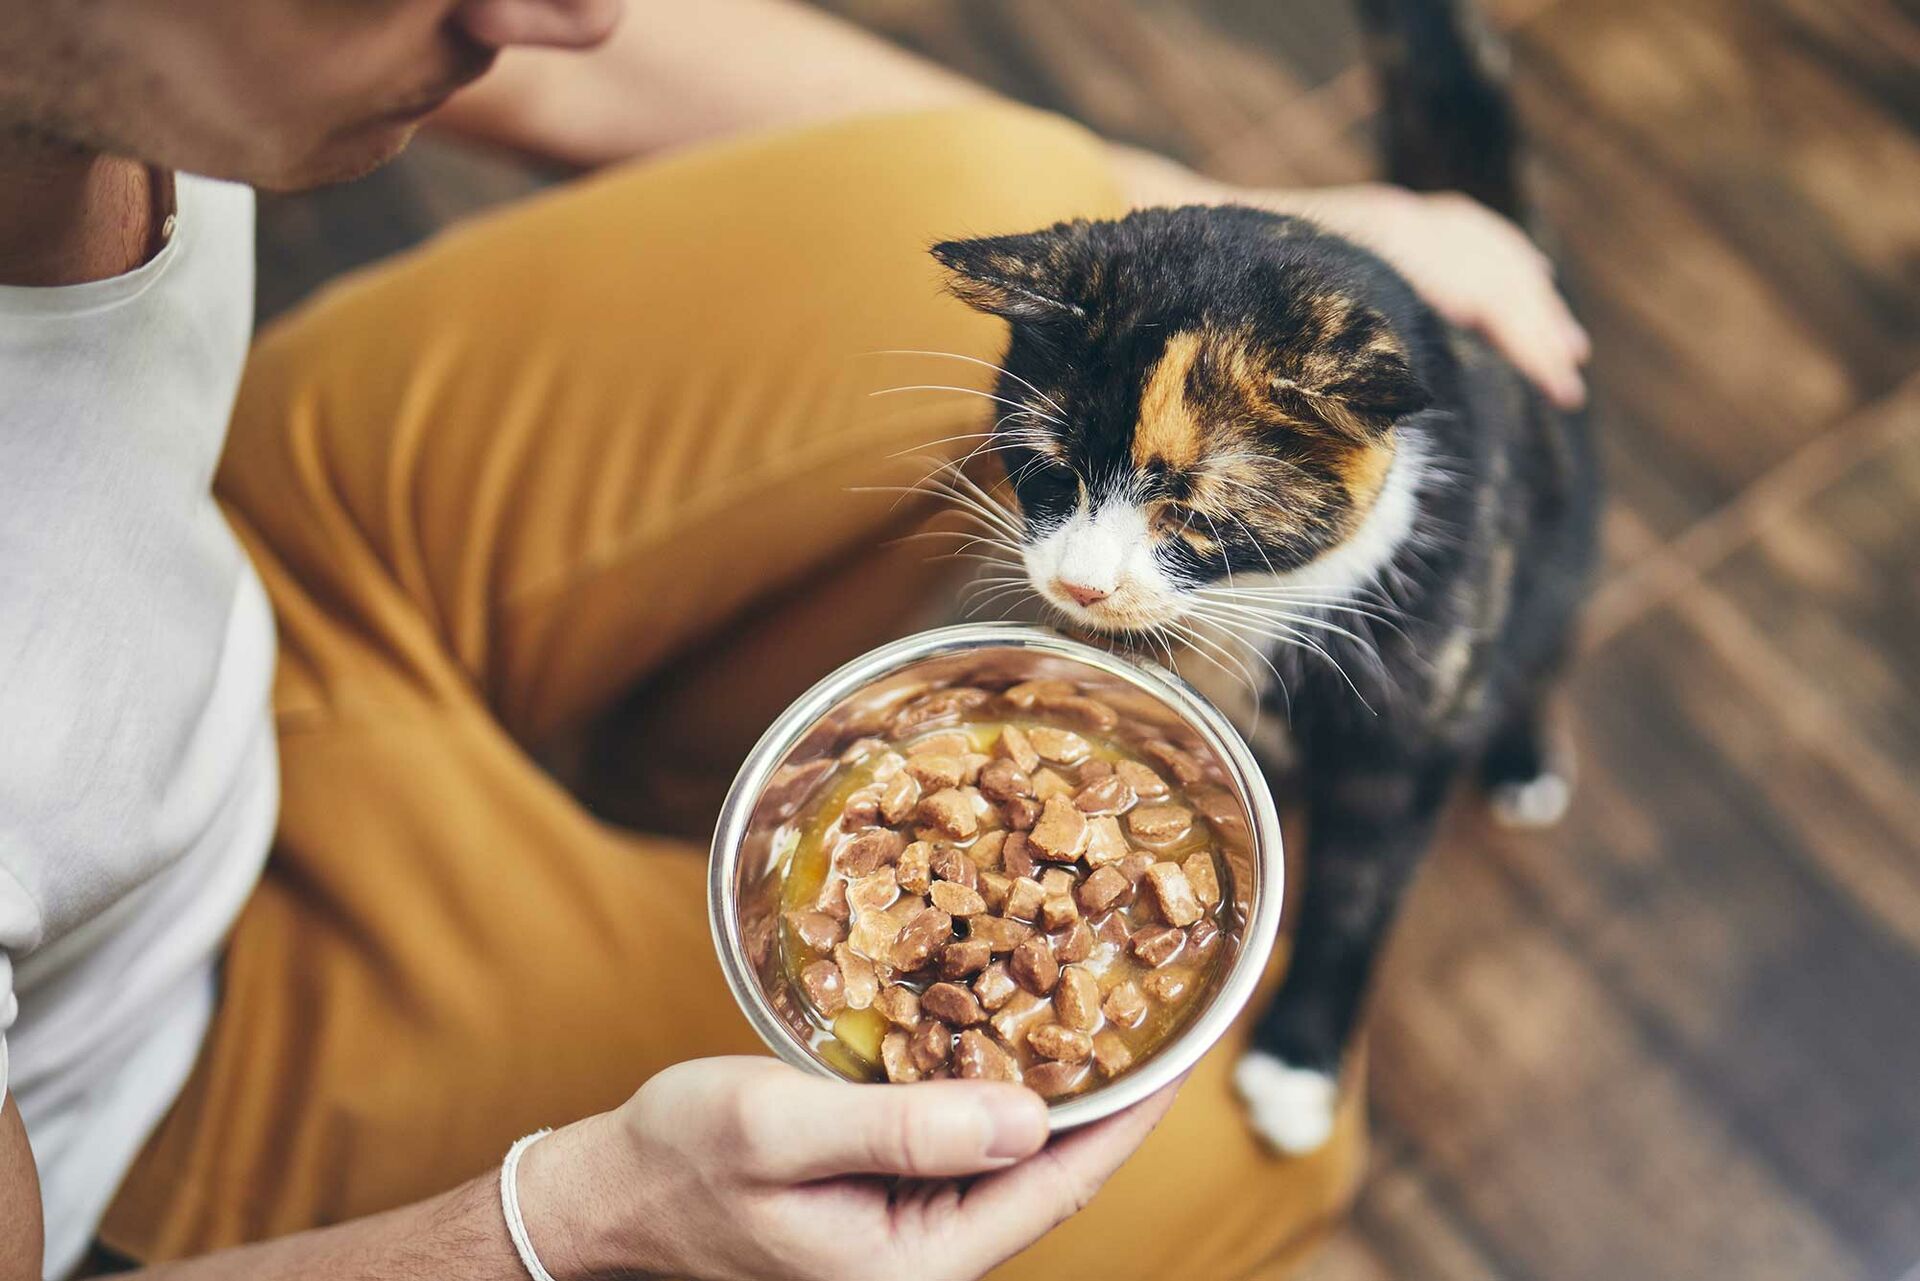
677,74
456,1234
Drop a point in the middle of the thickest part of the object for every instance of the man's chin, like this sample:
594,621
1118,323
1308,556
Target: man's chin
343,157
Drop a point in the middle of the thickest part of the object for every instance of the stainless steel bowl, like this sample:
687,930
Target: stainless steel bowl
800,751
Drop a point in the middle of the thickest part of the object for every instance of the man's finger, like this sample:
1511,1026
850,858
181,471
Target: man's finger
1006,1212
799,1128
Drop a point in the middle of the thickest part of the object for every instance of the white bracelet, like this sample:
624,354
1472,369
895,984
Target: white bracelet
510,1206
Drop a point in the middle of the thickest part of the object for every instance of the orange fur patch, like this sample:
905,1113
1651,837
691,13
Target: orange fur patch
1169,430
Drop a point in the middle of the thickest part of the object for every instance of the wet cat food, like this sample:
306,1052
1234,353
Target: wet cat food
1000,888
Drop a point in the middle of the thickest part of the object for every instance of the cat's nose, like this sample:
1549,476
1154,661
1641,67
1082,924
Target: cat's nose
1081,595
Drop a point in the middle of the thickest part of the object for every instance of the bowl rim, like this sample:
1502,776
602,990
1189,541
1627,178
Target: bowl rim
1258,935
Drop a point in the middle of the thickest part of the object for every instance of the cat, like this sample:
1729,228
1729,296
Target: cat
1243,434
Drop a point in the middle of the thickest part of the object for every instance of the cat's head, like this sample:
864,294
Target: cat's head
1207,393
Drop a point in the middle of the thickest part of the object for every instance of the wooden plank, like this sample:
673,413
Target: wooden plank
1836,584
1551,1113
1800,174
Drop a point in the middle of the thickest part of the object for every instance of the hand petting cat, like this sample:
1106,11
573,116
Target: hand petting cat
1474,267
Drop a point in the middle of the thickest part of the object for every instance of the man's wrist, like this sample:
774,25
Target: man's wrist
578,1197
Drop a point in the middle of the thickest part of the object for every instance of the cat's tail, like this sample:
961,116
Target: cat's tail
1448,119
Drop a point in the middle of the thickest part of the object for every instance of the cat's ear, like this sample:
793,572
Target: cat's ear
1031,277
1357,379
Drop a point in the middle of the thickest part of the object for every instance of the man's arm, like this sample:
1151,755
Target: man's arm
676,74
21,1241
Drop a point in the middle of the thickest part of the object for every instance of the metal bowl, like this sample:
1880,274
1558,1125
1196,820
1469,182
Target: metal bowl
801,750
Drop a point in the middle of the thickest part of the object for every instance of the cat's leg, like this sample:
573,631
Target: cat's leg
1528,782
1365,838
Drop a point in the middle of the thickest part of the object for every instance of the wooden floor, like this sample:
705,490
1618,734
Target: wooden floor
1679,1037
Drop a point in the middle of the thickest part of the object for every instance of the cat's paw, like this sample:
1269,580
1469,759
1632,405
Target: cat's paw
1291,1108
1532,803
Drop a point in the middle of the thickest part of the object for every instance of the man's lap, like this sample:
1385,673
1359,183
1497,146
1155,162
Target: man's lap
489,489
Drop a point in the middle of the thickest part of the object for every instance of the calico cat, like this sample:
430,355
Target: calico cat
1246,435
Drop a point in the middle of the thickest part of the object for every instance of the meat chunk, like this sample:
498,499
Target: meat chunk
1088,713
816,930
950,812
1062,746
1033,966
1101,890
1183,765
1074,945
977,1058
1112,931
1051,1080
1109,795
1058,834
1126,1005
1024,898
899,798
986,850
965,956
1051,1041
1166,985
1001,933
1110,1054
914,871
994,986
900,1005
1018,748
1057,881
1011,1019
951,742
826,990
1016,854
868,850
951,863
1028,694
1156,944
896,1056
1159,822
957,900
952,1004
993,889
861,980
1022,812
1202,937
1203,877
1058,912
930,1044
1076,1001
1003,780
1145,783
929,929
1047,785
1105,843
934,771
1174,895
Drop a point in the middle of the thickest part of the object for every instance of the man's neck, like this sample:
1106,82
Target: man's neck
69,215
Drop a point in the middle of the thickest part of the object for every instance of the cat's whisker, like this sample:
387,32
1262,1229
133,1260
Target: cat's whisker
1285,617
968,391
1207,648
988,599
1283,634
975,360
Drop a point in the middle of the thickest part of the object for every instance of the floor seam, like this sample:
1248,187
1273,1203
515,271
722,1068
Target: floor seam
1778,493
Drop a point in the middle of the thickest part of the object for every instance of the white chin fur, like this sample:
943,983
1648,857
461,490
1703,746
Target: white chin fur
1291,1108
1538,802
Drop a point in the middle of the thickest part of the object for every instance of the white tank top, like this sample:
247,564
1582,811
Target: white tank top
138,781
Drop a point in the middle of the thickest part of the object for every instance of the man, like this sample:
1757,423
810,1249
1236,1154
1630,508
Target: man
602,439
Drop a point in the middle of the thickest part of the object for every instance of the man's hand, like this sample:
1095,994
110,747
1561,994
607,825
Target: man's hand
746,1168
1473,266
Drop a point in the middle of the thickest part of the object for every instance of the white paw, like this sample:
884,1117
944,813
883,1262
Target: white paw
1538,802
1291,1108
